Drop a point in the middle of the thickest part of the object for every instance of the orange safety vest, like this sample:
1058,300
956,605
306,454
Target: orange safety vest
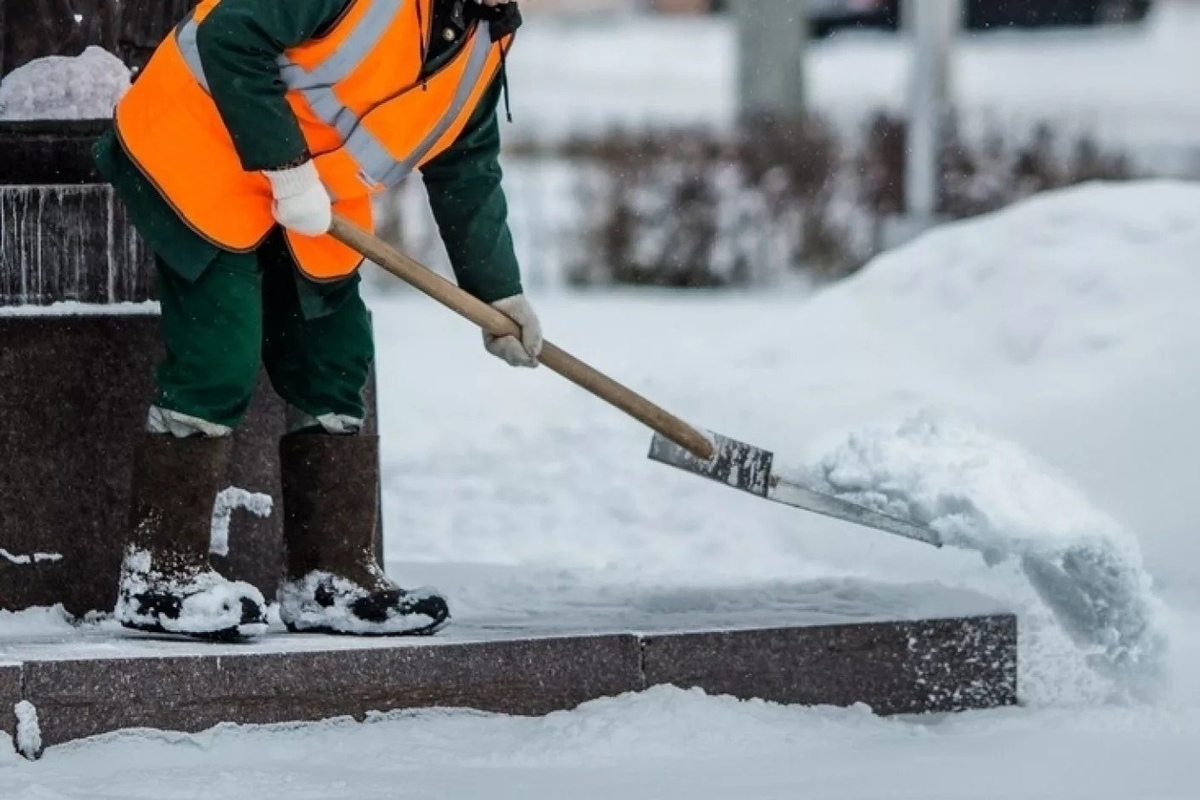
367,116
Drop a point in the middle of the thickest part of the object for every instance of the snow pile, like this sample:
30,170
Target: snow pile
991,496
1038,312
86,86
29,732
229,500
1055,282
32,622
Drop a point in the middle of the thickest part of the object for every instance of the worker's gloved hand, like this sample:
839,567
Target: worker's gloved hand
523,352
301,202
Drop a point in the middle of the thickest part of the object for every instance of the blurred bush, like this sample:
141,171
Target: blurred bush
985,175
698,208
777,202
693,208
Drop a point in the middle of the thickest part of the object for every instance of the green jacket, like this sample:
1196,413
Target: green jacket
239,45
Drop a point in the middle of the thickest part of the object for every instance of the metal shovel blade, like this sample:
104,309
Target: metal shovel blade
751,469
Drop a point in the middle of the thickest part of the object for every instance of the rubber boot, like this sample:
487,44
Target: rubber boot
334,583
167,584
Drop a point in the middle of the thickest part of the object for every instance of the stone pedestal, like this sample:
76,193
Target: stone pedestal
63,234
131,29
78,347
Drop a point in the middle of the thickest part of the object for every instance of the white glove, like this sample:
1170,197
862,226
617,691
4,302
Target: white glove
301,202
523,353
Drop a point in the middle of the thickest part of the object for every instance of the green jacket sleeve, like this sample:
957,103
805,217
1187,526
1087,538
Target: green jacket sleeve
239,43
471,211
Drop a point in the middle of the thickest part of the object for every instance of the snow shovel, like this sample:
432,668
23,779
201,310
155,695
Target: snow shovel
676,443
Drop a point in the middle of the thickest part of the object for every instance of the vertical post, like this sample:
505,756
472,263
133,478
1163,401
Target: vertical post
4,69
933,26
772,38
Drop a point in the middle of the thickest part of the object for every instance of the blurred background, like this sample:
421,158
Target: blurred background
746,143
740,143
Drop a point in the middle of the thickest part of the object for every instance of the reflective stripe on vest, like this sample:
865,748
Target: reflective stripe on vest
481,45
185,37
315,85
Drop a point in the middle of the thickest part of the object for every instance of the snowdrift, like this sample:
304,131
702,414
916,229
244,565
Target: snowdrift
1062,281
1069,295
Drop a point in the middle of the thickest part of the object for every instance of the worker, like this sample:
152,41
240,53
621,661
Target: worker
251,125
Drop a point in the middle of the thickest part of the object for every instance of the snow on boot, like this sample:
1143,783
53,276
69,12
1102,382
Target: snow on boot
167,584
334,583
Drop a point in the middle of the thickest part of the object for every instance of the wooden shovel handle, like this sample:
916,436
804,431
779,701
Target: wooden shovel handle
495,322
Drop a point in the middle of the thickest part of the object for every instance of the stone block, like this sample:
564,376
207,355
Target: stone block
49,152
947,665
73,394
80,698
10,695
893,667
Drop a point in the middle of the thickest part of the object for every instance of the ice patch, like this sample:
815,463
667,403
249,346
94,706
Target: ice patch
86,86
29,732
228,501
990,496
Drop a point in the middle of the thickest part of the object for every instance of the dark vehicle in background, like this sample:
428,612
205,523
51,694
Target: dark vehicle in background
828,16
983,14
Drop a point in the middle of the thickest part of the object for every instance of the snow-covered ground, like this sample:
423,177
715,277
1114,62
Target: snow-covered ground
663,744
1128,85
1047,355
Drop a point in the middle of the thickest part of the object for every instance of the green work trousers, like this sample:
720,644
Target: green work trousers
244,312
